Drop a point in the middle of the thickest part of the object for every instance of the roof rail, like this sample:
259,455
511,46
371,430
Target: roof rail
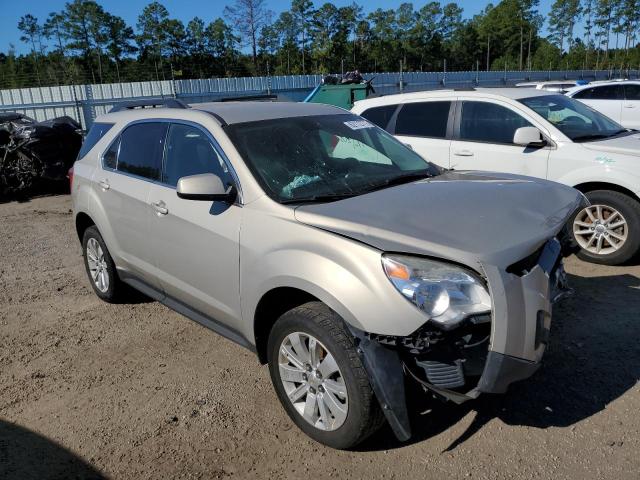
152,102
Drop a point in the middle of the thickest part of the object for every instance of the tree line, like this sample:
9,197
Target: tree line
84,43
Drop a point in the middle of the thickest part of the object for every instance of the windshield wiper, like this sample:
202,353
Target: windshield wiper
319,198
597,136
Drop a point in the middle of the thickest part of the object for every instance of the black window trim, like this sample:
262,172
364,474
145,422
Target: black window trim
450,120
169,121
458,117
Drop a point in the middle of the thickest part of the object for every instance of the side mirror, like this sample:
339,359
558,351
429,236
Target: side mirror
529,137
205,186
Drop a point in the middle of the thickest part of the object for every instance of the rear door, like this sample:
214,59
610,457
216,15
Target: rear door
606,99
426,126
630,117
483,140
196,243
130,165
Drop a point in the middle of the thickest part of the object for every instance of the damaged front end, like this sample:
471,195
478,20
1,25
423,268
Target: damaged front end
484,353
448,364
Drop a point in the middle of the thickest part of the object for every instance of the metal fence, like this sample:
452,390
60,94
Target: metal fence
85,102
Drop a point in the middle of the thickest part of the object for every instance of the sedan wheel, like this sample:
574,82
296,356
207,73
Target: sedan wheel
600,229
313,382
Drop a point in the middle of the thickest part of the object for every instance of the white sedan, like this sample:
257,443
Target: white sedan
618,100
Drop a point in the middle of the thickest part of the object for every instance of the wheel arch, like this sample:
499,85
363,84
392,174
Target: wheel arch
271,306
591,186
83,221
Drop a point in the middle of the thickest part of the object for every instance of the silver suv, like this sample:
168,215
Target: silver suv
358,271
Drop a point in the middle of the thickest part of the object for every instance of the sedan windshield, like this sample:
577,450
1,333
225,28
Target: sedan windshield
576,120
325,157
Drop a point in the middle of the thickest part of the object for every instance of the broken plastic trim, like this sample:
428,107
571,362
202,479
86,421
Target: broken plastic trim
385,370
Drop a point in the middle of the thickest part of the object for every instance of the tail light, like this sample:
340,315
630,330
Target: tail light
70,177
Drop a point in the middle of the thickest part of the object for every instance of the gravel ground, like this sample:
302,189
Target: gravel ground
91,390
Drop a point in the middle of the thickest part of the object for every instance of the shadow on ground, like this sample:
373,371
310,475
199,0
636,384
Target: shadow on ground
47,189
26,455
591,361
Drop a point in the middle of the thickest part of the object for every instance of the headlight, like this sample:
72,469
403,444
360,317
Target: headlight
447,294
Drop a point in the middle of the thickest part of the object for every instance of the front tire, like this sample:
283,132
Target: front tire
319,378
100,267
608,231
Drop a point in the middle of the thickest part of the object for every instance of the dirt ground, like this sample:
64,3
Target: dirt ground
135,391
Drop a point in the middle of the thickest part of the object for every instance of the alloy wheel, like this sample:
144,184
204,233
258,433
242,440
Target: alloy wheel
313,382
97,265
600,229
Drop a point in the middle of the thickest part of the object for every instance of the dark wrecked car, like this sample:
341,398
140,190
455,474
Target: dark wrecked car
35,154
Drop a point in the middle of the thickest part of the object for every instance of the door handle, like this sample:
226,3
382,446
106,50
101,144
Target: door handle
160,207
463,153
104,184
629,105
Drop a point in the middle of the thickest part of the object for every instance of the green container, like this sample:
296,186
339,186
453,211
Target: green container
342,96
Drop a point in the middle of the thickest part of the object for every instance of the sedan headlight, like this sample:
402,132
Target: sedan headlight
446,293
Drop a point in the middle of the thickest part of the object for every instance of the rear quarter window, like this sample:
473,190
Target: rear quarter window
96,132
380,115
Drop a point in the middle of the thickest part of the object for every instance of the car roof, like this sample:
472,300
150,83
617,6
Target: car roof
514,93
231,112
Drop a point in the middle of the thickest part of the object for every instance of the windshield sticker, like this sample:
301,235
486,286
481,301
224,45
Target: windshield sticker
358,124
605,160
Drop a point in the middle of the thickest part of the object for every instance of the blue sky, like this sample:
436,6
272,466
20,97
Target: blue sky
12,10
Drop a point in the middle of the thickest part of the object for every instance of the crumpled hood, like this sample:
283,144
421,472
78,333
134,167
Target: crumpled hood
626,145
468,217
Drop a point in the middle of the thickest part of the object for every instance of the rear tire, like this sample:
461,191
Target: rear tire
100,267
357,413
594,224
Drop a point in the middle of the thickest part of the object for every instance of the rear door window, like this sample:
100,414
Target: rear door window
141,149
424,119
380,115
190,152
605,92
489,122
96,132
632,92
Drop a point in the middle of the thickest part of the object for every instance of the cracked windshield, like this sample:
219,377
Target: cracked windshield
325,157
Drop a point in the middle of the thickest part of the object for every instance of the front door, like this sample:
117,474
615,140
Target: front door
196,243
483,140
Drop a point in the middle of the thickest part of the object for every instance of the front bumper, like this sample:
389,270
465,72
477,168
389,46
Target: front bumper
500,371
521,318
